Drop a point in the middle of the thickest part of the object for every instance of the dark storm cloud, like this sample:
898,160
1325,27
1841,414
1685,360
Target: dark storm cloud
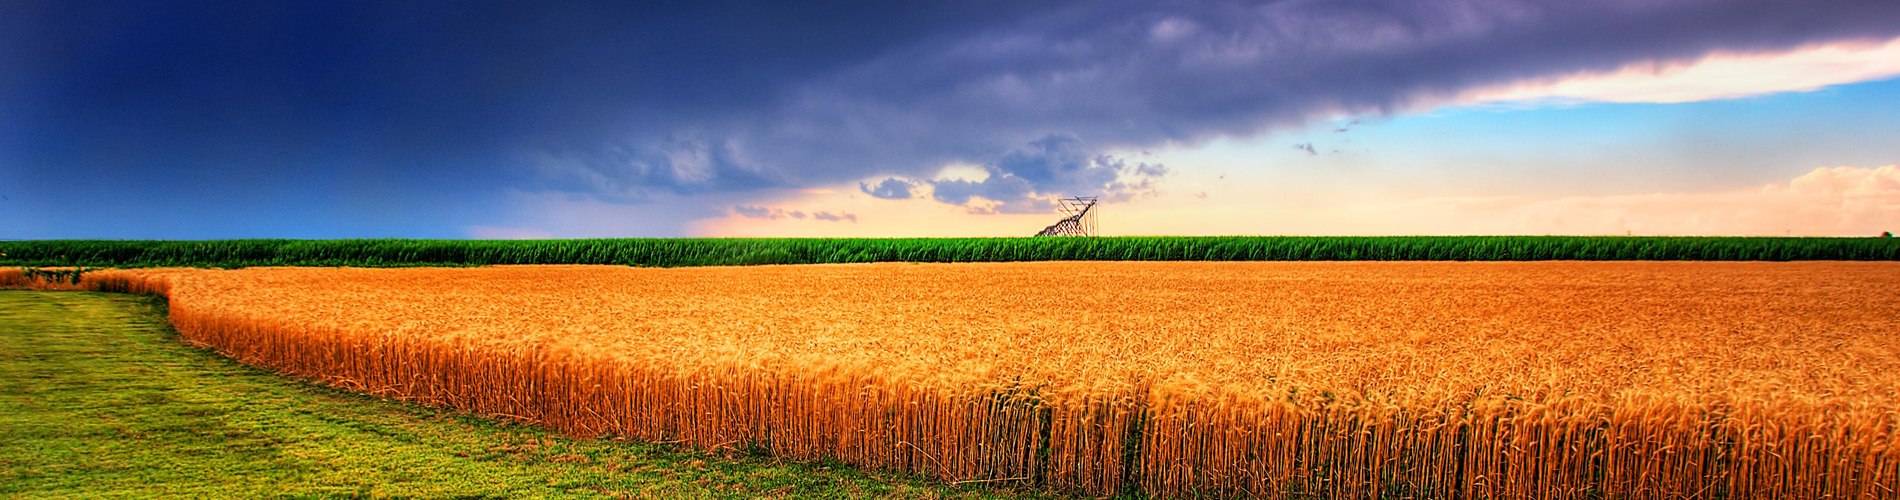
890,189
1012,195
1024,179
381,118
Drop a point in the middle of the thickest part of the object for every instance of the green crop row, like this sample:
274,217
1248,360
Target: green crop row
751,251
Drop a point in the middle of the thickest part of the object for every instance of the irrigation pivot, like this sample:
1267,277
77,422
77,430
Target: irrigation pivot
1079,220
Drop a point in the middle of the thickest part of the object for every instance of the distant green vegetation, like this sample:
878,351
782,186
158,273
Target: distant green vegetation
750,251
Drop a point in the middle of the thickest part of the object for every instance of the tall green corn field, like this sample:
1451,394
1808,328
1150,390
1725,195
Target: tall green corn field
666,252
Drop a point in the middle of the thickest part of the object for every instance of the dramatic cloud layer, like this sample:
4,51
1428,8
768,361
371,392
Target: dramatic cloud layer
1110,76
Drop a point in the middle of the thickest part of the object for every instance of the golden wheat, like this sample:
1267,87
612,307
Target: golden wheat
1335,380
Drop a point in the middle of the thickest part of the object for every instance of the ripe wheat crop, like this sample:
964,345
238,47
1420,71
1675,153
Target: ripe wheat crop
1274,380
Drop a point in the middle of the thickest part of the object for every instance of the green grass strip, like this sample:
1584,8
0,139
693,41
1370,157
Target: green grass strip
99,399
665,252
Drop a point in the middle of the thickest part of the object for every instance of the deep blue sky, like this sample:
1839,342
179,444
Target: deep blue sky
426,119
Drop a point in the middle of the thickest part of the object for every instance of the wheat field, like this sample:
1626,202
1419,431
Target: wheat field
1174,379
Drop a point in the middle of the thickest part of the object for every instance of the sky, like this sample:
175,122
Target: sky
469,119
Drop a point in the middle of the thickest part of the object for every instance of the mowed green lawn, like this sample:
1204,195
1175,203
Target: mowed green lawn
98,398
